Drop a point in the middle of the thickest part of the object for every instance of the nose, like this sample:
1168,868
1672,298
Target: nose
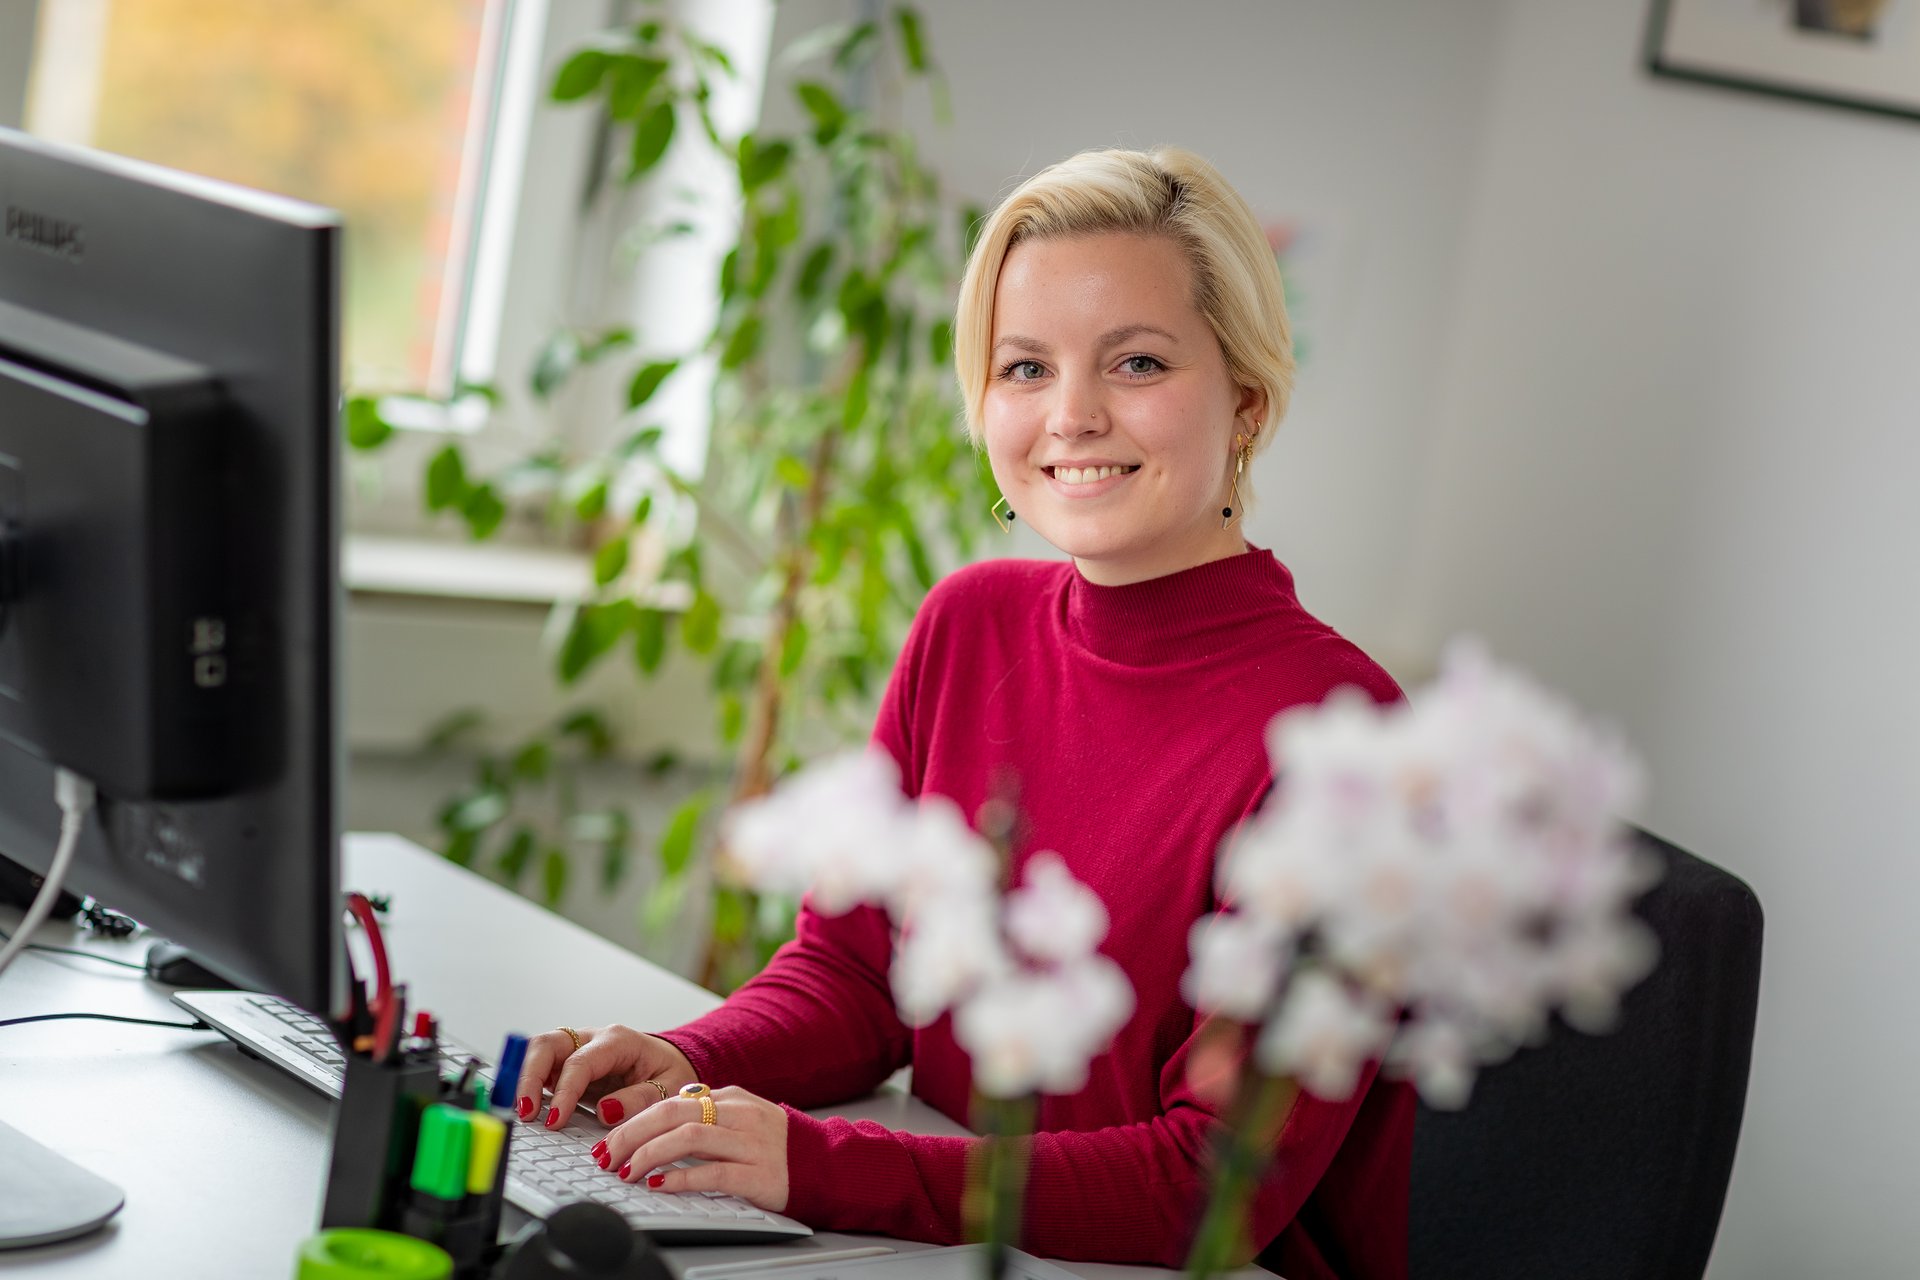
1077,409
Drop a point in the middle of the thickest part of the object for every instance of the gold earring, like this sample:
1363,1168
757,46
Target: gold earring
1227,513
1003,514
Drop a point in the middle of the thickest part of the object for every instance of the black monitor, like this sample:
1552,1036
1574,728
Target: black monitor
169,533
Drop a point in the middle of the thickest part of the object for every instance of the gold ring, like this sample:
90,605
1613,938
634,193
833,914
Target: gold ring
573,1036
664,1095
709,1113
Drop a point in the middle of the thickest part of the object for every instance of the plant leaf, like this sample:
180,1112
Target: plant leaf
596,628
513,860
857,47
940,342
553,876
743,343
634,79
609,561
461,846
793,649
913,40
483,511
813,272
478,812
449,731
580,75
366,429
558,358
761,163
533,761
648,381
733,717
662,906
591,728
645,440
650,139
700,624
792,472
592,502
446,479
712,53
828,115
676,842
649,640
853,407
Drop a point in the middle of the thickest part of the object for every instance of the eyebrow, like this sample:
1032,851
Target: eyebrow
1111,338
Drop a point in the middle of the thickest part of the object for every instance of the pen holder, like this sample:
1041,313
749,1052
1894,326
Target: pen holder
468,1226
374,1134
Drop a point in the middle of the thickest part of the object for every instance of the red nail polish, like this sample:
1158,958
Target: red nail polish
553,1116
611,1111
604,1159
525,1108
600,1148
626,1168
657,1180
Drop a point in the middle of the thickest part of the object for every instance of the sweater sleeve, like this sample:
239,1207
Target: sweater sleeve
1129,1193
818,1025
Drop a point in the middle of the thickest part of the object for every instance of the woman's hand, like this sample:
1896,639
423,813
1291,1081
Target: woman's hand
745,1148
613,1068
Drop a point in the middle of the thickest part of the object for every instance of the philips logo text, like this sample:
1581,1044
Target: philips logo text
56,236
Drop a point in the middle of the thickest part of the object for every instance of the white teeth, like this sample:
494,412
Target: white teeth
1086,475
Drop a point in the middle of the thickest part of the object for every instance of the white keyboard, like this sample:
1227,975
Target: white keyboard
546,1168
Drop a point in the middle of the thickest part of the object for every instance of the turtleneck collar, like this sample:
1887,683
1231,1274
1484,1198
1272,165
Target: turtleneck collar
1186,616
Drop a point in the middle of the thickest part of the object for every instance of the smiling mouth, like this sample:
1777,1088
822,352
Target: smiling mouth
1087,475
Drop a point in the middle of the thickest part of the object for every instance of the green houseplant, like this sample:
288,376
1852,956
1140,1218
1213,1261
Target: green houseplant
837,484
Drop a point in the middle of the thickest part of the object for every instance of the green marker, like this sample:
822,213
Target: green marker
440,1157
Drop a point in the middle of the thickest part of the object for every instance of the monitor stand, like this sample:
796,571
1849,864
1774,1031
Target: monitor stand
46,1197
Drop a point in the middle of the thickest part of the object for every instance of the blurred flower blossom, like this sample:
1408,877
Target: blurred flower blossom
1037,1030
1053,916
1456,866
1033,1001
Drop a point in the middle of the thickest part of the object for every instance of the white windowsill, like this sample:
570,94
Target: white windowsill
484,572
492,572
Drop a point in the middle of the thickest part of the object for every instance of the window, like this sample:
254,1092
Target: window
363,105
469,236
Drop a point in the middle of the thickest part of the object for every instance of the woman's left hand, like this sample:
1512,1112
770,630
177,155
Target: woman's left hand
745,1148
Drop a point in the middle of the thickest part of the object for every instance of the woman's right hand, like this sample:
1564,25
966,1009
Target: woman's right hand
614,1068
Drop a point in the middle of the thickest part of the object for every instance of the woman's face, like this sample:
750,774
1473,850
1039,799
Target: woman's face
1109,416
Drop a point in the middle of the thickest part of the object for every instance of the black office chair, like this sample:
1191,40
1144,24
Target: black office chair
1608,1155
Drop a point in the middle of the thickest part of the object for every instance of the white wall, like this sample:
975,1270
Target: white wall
1361,119
1675,476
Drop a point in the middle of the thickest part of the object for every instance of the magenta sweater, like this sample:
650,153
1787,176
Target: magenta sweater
1134,719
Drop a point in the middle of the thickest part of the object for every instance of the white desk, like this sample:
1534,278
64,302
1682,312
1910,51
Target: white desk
222,1158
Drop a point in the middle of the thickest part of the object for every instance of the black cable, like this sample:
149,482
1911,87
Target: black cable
75,951
106,1017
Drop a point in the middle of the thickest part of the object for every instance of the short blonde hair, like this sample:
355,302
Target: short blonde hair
1166,192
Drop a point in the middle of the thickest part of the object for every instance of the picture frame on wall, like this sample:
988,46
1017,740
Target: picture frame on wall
1862,54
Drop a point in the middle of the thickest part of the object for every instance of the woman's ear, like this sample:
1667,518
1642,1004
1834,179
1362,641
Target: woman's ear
1253,405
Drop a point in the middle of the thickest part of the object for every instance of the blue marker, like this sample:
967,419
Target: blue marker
506,1076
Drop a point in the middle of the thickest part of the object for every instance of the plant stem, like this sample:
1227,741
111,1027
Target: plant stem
1243,1149
994,1201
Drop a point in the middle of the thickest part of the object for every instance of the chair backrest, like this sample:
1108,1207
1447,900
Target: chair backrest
1607,1155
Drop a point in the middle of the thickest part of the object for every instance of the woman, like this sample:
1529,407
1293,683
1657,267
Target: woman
1122,344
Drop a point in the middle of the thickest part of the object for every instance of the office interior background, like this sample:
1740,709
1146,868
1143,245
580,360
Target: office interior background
1611,370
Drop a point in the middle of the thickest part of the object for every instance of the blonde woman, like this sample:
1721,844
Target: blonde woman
1122,344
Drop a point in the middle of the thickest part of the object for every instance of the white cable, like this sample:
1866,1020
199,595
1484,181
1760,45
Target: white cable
74,795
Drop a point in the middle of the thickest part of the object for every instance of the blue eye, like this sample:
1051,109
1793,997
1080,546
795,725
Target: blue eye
1022,371
1141,366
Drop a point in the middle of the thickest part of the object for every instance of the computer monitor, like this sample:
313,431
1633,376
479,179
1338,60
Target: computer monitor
169,533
